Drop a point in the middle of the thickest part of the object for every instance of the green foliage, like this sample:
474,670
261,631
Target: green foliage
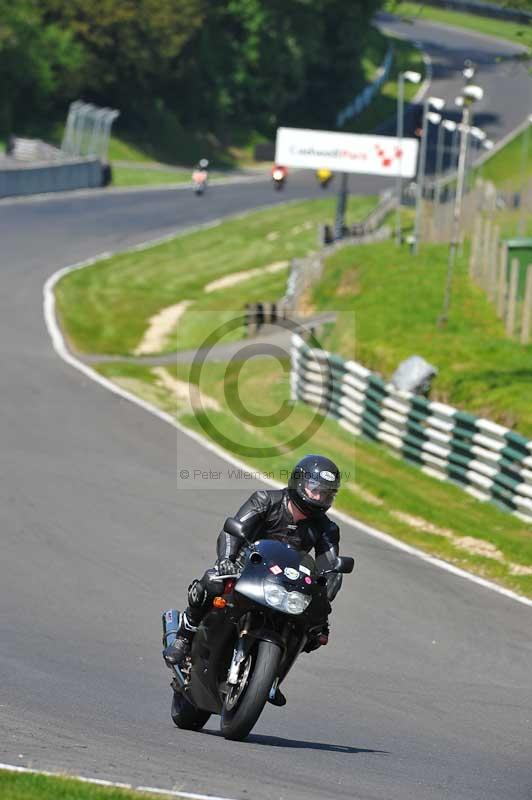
39,64
215,67
132,46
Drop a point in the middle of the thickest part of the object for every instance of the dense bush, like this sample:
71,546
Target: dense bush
217,66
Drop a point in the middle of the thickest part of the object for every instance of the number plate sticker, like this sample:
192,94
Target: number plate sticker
304,570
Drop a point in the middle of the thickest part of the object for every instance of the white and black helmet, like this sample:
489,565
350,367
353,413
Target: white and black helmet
313,484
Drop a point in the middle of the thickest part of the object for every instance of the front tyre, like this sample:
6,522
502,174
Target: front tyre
237,722
185,715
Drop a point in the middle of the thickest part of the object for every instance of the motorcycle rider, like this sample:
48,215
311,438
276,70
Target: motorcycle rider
294,515
279,173
324,176
200,174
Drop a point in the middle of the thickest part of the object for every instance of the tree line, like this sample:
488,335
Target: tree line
217,66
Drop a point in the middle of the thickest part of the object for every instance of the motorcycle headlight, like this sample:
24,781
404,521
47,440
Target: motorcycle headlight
290,602
296,602
274,595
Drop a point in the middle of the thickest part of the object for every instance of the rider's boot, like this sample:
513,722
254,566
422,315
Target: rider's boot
276,697
176,652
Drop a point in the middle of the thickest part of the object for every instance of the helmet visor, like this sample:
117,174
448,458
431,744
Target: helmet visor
319,494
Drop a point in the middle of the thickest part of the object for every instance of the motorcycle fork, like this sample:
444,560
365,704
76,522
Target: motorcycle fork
290,653
242,648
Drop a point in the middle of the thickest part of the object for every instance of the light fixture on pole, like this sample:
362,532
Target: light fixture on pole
428,116
412,77
440,153
479,136
470,94
478,133
452,127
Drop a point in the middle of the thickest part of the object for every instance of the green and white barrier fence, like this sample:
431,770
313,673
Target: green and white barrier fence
488,460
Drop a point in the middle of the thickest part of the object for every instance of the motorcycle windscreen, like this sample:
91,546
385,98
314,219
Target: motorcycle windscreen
279,562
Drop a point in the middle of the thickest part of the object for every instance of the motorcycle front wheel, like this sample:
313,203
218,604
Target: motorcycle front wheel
238,721
185,715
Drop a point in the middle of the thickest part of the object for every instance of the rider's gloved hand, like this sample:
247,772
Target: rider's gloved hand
225,566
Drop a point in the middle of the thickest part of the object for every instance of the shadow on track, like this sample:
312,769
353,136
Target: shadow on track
278,741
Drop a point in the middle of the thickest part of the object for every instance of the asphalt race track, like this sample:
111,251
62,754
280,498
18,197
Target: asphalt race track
425,690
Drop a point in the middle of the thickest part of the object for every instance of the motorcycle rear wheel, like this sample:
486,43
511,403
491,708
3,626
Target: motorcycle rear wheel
185,715
237,723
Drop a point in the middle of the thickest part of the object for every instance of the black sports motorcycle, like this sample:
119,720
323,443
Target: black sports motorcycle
260,622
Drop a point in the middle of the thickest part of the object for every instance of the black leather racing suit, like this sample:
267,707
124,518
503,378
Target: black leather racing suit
266,516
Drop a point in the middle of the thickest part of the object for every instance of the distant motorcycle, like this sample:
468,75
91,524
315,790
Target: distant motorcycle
279,177
260,622
324,177
199,180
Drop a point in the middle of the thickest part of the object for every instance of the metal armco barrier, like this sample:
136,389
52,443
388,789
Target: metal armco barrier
37,178
488,460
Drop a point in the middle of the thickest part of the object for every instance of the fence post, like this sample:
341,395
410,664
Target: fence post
501,288
492,273
527,307
484,267
475,243
512,297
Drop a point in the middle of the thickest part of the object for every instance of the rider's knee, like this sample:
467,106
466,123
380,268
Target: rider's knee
199,591
196,594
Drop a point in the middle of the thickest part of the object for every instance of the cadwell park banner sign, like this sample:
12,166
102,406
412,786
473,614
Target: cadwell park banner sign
346,152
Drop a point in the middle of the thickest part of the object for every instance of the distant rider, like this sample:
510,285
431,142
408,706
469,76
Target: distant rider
200,174
279,172
296,516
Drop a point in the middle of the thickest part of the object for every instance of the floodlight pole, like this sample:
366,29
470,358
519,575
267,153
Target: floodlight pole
440,150
455,229
524,159
400,130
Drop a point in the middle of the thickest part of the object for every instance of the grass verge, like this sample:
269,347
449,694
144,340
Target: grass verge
106,309
29,786
380,489
397,299
133,176
503,29
511,166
